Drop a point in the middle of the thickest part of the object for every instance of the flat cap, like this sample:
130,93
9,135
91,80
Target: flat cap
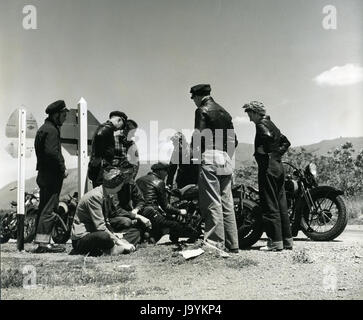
255,106
118,114
114,177
200,90
56,106
160,166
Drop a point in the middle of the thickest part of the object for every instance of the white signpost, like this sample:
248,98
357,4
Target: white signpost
82,148
21,178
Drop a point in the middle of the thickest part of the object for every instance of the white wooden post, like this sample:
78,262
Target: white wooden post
21,178
82,147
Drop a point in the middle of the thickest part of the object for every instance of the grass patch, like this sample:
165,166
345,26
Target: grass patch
302,256
66,273
239,263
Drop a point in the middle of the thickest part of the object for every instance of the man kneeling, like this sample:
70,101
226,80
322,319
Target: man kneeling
91,232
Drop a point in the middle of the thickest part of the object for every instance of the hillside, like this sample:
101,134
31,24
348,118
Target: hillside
244,156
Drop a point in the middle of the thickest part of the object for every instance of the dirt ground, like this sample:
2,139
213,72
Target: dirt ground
313,270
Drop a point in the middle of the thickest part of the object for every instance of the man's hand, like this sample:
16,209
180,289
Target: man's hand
183,212
144,220
134,212
65,174
260,150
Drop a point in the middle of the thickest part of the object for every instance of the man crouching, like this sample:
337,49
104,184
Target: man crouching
91,232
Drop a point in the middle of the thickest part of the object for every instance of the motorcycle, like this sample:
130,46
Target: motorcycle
62,227
8,224
64,218
317,210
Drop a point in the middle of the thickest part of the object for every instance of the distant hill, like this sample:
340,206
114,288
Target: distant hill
244,156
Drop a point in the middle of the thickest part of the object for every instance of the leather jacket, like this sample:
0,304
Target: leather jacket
273,142
211,115
103,143
48,149
153,189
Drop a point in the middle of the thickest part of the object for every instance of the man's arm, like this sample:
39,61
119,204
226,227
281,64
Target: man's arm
163,201
265,135
94,207
52,149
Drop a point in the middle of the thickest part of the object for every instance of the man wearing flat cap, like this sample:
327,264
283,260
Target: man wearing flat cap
92,231
213,144
51,172
270,145
103,146
157,208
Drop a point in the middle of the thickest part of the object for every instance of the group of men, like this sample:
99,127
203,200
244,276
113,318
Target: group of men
119,212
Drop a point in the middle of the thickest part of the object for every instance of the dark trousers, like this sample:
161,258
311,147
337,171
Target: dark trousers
160,222
271,182
50,187
94,244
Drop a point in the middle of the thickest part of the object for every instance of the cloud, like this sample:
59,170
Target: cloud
240,120
340,76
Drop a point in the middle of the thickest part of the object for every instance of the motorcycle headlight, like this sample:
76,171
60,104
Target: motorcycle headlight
312,169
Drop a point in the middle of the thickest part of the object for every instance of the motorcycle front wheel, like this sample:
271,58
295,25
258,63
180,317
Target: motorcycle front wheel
249,224
5,233
328,221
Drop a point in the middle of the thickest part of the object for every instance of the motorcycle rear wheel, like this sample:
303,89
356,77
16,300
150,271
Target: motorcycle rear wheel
59,234
329,206
30,227
249,224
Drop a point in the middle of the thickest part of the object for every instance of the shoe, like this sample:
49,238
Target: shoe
233,251
268,248
287,248
49,249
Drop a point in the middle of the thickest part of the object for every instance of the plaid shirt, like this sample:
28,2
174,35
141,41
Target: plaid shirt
126,152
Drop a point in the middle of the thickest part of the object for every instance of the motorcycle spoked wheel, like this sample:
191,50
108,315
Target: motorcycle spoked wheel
331,212
249,224
5,233
59,234
30,227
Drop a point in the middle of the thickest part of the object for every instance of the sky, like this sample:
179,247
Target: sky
142,57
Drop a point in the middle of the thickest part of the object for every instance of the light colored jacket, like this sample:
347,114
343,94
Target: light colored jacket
89,215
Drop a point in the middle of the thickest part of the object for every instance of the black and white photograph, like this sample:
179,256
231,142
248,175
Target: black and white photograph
196,151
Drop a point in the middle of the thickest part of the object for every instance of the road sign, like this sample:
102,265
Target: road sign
70,131
12,126
12,149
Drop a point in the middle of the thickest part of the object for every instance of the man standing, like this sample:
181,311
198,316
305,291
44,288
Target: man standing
270,145
51,172
103,146
157,209
214,142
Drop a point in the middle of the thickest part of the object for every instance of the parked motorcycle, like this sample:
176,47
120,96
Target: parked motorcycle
317,210
65,215
8,223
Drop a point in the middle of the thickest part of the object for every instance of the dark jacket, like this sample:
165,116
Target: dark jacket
153,189
129,197
103,143
48,149
103,152
211,115
274,143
